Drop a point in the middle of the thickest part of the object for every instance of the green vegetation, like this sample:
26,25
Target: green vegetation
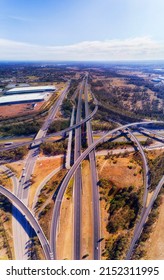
113,145
15,154
5,210
69,189
52,149
115,249
48,189
35,249
5,179
156,170
5,204
25,128
73,87
123,206
67,108
45,210
140,250
137,157
97,125
58,125
118,101
123,209
46,199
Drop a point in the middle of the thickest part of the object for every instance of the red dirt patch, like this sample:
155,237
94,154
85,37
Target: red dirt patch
9,111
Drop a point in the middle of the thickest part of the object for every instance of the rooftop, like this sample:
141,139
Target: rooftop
27,89
22,98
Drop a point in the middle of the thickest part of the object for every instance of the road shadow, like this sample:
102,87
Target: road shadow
27,184
151,136
127,136
23,222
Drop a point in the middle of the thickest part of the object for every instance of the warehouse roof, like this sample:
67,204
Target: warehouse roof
31,89
22,98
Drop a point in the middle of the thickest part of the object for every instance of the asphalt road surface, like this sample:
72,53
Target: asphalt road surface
95,190
28,215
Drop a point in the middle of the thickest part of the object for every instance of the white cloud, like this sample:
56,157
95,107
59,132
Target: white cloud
132,48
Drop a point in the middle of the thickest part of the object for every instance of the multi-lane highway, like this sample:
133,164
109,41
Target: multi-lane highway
77,189
21,192
95,191
56,210
23,233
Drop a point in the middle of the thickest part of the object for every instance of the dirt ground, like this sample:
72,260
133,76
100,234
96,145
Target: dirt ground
9,111
65,231
154,154
5,180
16,167
104,221
155,244
43,167
120,83
119,172
87,213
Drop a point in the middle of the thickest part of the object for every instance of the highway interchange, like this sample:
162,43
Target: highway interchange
20,195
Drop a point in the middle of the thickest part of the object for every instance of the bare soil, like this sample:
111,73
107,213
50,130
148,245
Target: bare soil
118,171
9,111
16,167
87,213
43,167
65,231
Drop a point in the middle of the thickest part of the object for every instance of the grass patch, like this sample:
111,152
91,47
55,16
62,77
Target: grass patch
69,190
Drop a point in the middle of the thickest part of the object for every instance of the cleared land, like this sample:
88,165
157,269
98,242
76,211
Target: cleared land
45,203
43,167
16,167
87,215
5,180
65,231
10,111
122,172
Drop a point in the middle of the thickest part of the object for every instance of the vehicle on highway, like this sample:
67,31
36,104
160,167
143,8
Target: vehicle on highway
8,143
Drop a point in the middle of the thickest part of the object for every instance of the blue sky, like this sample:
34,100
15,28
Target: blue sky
81,29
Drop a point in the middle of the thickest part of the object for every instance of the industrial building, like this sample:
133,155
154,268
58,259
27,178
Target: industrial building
28,90
23,98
